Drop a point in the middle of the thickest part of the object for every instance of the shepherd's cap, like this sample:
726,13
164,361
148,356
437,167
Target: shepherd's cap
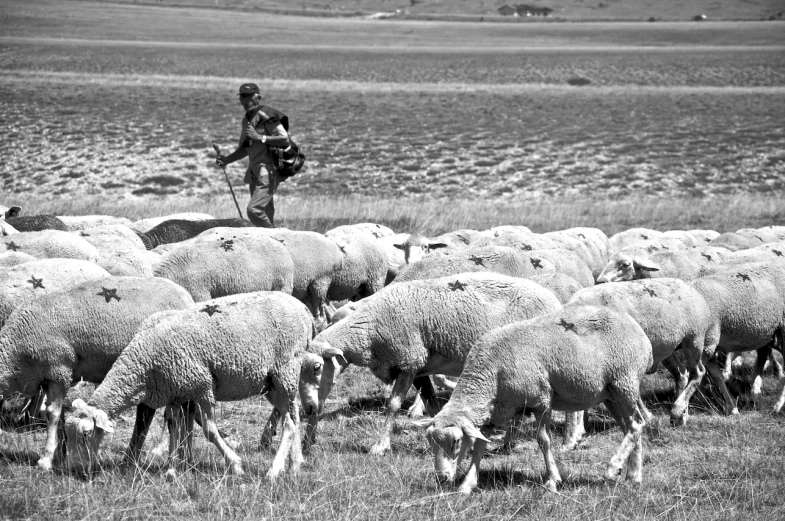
249,88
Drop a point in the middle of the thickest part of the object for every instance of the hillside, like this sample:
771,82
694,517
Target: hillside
571,10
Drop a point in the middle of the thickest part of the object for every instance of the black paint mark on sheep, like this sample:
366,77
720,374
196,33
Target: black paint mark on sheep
650,292
227,245
37,283
581,236
644,237
477,260
526,247
278,239
778,253
84,234
12,246
743,276
109,294
707,256
536,263
568,326
457,285
210,309
342,248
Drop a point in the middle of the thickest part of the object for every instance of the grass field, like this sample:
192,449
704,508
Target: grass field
422,126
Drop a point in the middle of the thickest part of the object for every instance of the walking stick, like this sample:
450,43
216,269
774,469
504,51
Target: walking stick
218,151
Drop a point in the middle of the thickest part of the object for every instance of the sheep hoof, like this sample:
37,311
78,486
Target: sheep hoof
379,449
465,489
678,422
236,469
233,444
170,475
45,463
613,474
551,485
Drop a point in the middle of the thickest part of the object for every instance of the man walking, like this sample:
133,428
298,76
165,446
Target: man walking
261,129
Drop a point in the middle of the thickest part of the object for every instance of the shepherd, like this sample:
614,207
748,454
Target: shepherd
262,128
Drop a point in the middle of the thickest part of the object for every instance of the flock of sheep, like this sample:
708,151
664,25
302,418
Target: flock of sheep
184,311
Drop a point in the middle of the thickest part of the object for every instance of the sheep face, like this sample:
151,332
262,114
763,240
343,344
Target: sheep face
85,430
622,267
449,445
416,247
311,370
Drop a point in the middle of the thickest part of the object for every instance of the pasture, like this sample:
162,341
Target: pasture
423,126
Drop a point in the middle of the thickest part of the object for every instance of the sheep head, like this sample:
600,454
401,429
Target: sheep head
318,370
416,247
450,441
623,267
85,430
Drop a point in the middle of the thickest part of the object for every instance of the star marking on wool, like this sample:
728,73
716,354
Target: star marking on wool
457,285
644,237
227,245
342,248
84,234
743,276
650,292
108,294
778,253
210,309
12,246
526,247
278,239
477,260
536,263
706,255
758,237
581,236
568,326
377,235
37,283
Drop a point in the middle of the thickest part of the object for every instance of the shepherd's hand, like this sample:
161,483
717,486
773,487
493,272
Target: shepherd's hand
221,161
251,133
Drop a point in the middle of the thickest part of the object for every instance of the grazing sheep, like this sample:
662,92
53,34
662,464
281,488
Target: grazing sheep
76,223
769,252
144,225
178,230
60,338
674,316
226,349
680,264
564,261
416,246
50,244
590,244
568,360
458,239
364,267
12,258
223,265
315,260
748,300
560,284
497,259
519,240
415,329
36,223
24,282
120,250
621,240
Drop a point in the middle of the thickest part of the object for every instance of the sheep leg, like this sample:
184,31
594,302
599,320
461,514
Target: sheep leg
427,393
717,376
211,432
727,370
679,373
574,431
144,418
55,394
472,473
271,427
417,409
631,448
512,434
543,419
401,386
288,449
176,440
310,432
680,409
190,416
762,356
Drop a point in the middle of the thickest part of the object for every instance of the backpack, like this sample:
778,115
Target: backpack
287,161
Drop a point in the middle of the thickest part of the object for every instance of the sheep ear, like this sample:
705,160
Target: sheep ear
472,431
436,245
642,263
14,211
399,246
78,404
333,352
422,423
102,422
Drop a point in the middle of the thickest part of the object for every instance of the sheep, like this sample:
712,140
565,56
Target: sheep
12,258
735,241
686,264
224,265
315,260
144,225
768,252
50,244
9,211
226,349
564,261
703,236
591,244
413,329
626,238
520,240
178,230
120,250
458,239
415,246
560,284
748,300
673,315
76,223
24,282
36,223
376,231
498,259
6,229
364,267
60,338
569,360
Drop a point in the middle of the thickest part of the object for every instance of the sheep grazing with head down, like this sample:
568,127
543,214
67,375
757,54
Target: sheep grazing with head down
59,338
414,329
224,349
679,264
568,360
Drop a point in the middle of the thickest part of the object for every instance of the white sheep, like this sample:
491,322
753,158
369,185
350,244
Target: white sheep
674,316
50,244
226,349
568,360
590,244
144,225
414,329
82,222
120,250
60,338
364,267
12,258
748,300
221,265
704,236
686,264
734,241
623,239
24,282
373,230
769,252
